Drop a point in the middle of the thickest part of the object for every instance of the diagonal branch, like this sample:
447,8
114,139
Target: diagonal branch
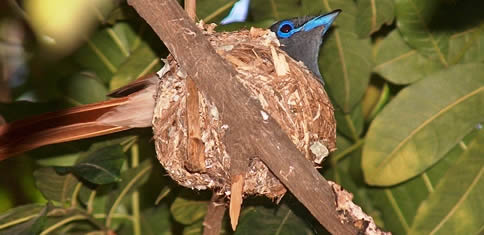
248,132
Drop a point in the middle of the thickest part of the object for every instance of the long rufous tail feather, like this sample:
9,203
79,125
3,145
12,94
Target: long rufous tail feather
130,111
57,127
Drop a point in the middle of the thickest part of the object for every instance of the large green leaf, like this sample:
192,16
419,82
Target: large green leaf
106,50
345,59
398,211
279,220
400,64
423,123
121,51
456,207
372,14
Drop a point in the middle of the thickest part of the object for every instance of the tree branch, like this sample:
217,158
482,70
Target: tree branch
248,132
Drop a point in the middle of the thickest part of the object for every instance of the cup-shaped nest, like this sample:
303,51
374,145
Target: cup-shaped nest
286,90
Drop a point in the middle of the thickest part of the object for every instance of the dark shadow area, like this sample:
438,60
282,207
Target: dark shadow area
456,15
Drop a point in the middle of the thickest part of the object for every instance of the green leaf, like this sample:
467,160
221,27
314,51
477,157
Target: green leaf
55,186
429,25
345,60
213,10
104,53
466,47
372,14
399,64
194,229
75,87
141,61
187,211
398,211
156,220
20,220
101,166
422,123
455,207
264,220
278,10
414,19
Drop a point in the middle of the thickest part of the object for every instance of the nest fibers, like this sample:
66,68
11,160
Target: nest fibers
285,88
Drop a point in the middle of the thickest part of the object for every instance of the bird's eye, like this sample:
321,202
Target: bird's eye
285,28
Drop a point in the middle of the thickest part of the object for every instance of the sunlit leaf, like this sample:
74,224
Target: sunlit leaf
398,211
455,207
398,63
423,123
372,14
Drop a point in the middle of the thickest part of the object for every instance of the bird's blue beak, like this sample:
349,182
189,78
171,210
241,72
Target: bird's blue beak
324,20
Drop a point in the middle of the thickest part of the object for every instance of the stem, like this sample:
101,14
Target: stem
114,216
135,204
17,221
352,127
77,189
62,222
90,202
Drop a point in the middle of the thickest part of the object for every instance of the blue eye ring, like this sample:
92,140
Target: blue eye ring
285,29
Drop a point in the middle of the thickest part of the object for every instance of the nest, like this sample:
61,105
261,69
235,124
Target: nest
285,88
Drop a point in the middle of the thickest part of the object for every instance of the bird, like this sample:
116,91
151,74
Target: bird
302,37
132,106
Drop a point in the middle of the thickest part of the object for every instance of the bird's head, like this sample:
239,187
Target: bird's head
301,38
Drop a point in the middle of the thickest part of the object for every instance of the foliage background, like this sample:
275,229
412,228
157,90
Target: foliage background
406,78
